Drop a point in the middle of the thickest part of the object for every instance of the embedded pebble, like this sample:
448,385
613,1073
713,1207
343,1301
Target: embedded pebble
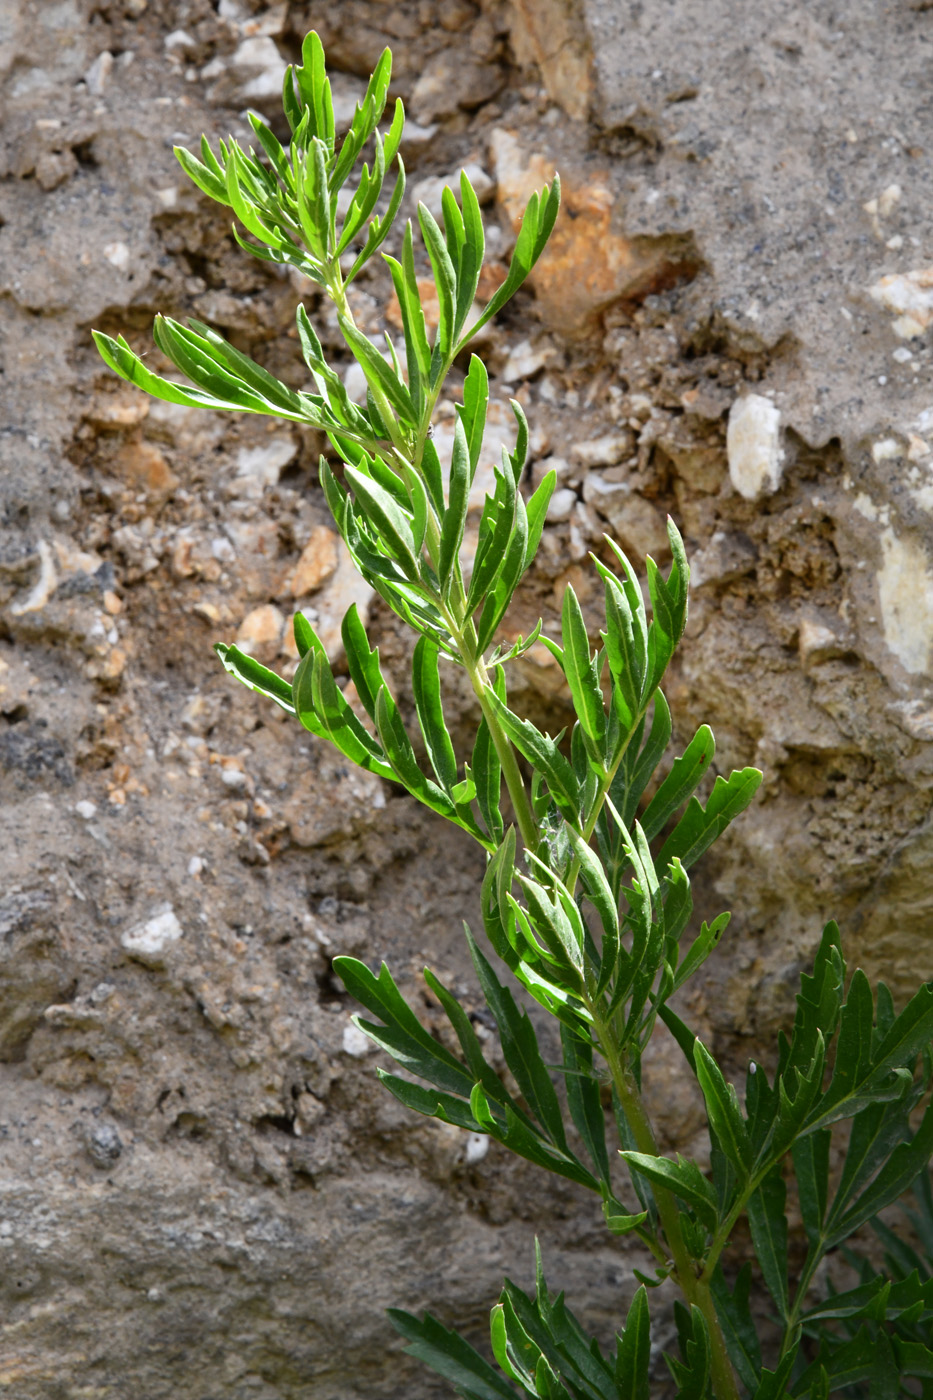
910,296
148,941
355,1043
86,809
561,504
753,446
104,1146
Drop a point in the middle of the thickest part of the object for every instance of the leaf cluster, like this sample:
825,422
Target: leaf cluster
589,835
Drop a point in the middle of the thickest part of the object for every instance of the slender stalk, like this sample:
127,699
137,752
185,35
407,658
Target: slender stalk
514,781
695,1289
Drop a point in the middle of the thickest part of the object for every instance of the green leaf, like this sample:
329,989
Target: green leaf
455,515
256,676
413,324
537,223
382,998
387,518
811,1166
426,690
583,1098
910,1033
320,703
207,175
769,1235
471,252
445,282
699,827
633,1366
906,1162
581,671
379,375
487,774
543,753
520,1048
314,88
738,1326
472,412
693,1373
495,530
722,1108
680,783
682,1177
706,940
450,1356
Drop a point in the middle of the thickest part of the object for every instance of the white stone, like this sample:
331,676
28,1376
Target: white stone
118,255
258,52
524,360
605,451
195,866
753,446
148,941
910,296
98,73
886,450
561,504
259,467
179,39
86,809
905,591
477,1145
355,1043
44,586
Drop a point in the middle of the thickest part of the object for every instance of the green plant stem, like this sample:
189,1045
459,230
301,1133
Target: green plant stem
527,825
695,1289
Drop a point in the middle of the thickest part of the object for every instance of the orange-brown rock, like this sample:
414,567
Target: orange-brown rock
589,263
318,562
260,632
144,468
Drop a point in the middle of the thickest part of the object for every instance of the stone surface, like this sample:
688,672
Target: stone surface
205,1190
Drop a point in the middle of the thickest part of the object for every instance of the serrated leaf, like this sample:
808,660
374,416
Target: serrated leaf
680,783
768,1225
633,1366
450,1356
682,1177
700,826
722,1108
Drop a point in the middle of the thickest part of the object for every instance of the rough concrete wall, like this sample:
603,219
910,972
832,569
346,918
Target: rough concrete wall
204,1192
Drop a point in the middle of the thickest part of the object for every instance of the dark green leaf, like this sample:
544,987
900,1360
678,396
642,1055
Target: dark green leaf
682,1177
722,1108
633,1367
451,1357
699,827
583,1098
769,1235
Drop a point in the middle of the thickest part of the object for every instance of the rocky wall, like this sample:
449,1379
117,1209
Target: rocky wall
203,1192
